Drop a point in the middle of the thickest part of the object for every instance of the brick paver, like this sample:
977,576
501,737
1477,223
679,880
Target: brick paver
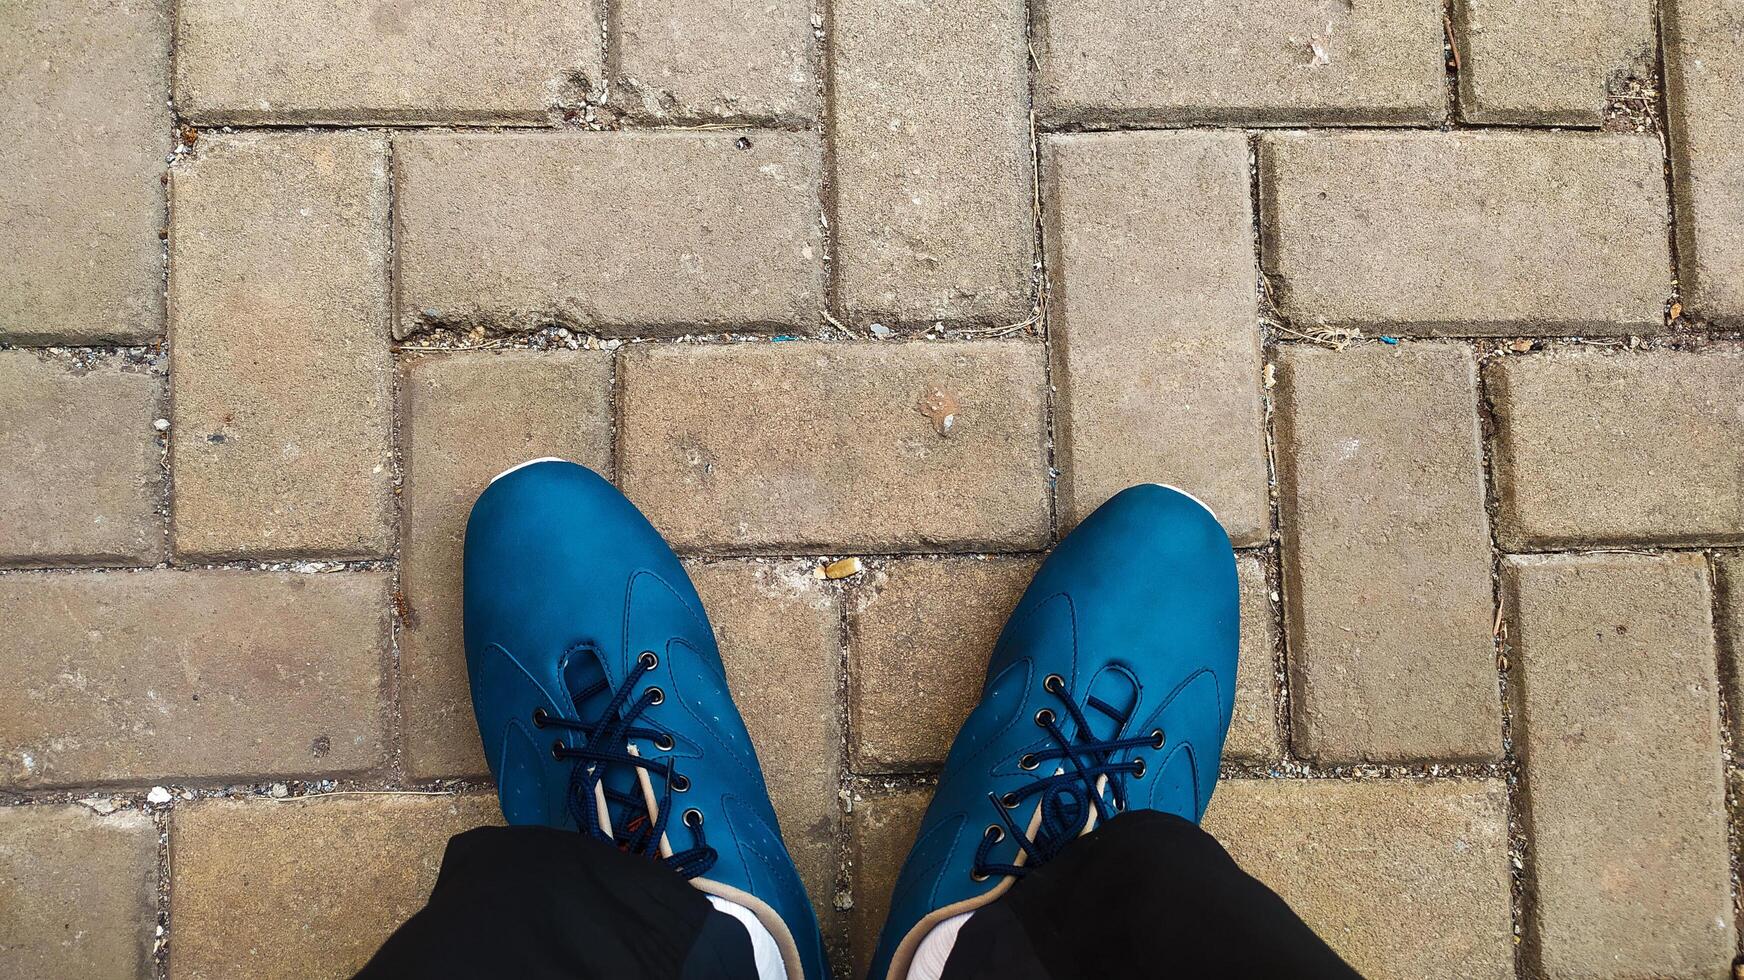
620,232
86,124
82,474
779,630
714,60
932,177
468,417
130,677
1592,449
920,632
1128,62
872,447
1546,63
1704,87
309,61
278,354
1466,233
80,891
1156,333
883,827
1404,878
307,887
1386,554
1619,733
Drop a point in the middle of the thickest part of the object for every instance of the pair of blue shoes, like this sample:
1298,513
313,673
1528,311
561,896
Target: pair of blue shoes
604,707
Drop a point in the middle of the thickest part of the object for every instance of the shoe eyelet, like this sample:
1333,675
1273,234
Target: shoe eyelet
679,783
1009,801
648,660
1140,771
539,717
977,876
1028,762
656,695
994,833
664,743
557,747
1044,717
693,818
1054,683
1158,738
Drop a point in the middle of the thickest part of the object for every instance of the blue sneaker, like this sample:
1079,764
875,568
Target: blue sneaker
1110,689
602,701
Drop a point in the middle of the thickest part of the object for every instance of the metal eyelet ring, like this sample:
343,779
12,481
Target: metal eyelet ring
1009,801
1045,717
693,817
1158,738
555,746
648,659
1140,771
657,695
1054,683
679,782
539,716
664,743
994,833
977,876
1028,762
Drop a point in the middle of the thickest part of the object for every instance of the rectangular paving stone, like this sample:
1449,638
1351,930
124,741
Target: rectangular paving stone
922,629
1525,61
468,417
1466,233
1636,448
1618,730
1703,42
883,827
1156,332
1132,63
306,888
717,60
279,348
934,203
1404,878
149,676
779,631
312,61
920,632
869,447
663,232
82,477
1386,555
78,892
85,119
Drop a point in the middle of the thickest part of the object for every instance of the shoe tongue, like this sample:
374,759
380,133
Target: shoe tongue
585,673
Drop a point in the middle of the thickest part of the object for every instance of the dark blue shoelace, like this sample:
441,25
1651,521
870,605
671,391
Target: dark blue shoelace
607,746
1067,797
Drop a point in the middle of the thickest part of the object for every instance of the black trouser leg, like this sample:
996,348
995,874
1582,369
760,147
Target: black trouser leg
533,902
1145,895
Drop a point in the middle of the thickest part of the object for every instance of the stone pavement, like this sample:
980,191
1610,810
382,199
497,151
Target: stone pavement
1439,308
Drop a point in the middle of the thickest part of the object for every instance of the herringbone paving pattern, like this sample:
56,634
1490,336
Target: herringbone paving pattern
1437,306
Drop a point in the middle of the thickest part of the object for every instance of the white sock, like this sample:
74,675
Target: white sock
935,949
763,947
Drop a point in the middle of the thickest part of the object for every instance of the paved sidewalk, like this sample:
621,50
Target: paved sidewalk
1439,309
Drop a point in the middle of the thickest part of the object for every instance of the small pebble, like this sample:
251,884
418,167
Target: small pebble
158,795
280,791
161,425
